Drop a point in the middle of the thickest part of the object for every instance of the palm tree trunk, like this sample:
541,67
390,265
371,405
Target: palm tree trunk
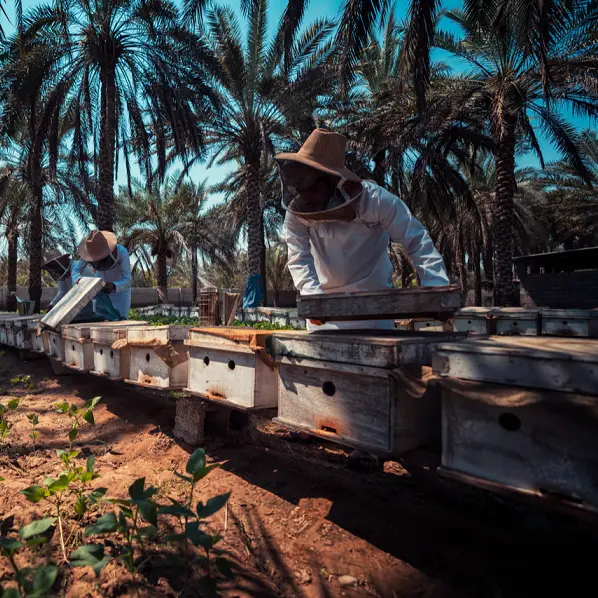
12,237
477,275
254,220
487,262
35,245
462,270
379,170
105,211
162,278
263,271
504,289
194,273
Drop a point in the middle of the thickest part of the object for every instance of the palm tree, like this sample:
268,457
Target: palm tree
166,220
205,232
131,76
518,86
13,217
269,92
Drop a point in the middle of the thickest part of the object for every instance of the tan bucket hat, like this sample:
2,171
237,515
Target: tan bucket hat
98,245
323,151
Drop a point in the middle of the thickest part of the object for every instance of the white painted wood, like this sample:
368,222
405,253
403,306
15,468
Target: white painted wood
147,369
350,409
55,345
78,355
369,348
113,363
141,334
570,322
563,364
39,341
10,337
535,442
2,335
234,374
473,319
516,321
72,303
428,325
23,339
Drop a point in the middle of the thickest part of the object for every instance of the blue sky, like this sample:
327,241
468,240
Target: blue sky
316,9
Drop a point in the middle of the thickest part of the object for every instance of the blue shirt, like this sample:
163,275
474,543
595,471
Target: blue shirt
119,275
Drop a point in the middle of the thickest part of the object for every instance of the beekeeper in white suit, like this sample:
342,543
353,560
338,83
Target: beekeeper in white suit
337,228
109,261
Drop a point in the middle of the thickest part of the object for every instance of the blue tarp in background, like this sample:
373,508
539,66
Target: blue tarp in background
253,291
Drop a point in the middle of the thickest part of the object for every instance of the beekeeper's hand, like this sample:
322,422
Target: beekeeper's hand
110,287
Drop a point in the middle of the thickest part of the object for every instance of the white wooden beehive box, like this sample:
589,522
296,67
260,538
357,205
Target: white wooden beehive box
165,365
78,348
370,391
115,363
231,366
534,442
570,322
22,331
517,321
5,320
430,325
55,345
473,319
39,338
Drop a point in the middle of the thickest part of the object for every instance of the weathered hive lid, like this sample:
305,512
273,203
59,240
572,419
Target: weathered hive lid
473,312
67,309
108,332
229,337
6,318
82,330
21,321
147,335
375,348
570,314
515,313
563,364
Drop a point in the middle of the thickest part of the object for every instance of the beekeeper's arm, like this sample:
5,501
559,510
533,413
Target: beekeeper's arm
403,228
124,264
301,261
79,269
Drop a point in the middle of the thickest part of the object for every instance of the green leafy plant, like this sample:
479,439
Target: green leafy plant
34,421
192,522
5,424
54,491
32,582
136,521
78,415
26,380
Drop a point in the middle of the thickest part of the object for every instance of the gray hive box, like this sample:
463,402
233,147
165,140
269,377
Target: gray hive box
18,332
394,304
67,309
78,345
39,338
4,325
473,319
230,366
570,322
159,358
517,321
521,415
110,359
369,391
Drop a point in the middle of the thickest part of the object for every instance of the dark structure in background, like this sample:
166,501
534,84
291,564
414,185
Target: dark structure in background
564,279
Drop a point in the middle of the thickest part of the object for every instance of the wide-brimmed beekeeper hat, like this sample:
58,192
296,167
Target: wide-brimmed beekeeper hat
324,151
99,244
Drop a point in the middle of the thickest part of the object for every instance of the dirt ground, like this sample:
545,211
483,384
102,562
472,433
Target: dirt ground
299,522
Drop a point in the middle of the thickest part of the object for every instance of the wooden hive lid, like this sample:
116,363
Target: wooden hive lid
377,348
545,348
108,332
515,313
144,335
570,314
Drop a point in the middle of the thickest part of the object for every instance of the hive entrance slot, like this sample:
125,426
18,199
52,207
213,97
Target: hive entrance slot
329,429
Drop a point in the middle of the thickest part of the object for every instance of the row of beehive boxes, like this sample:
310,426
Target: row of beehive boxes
18,331
514,321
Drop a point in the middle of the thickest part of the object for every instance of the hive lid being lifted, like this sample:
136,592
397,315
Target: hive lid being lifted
381,305
67,309
375,348
563,364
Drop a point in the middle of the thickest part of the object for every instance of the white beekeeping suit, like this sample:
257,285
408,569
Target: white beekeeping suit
344,247
339,257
